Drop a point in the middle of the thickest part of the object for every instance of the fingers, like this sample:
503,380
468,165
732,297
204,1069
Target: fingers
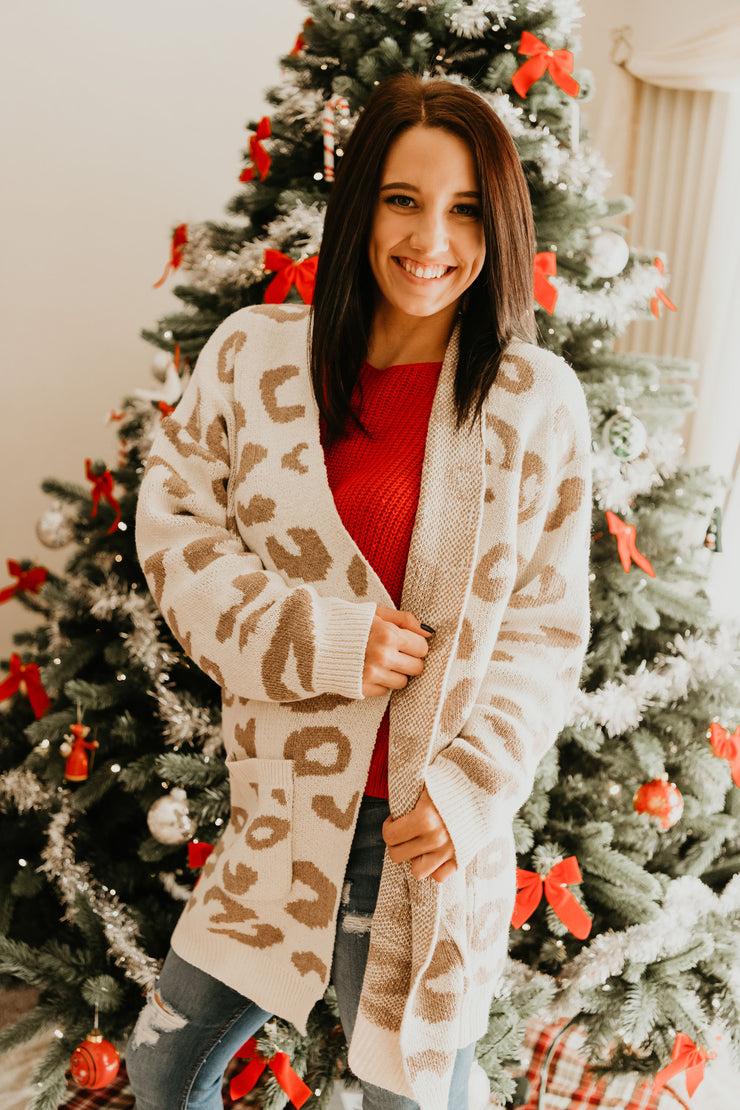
410,637
437,864
421,837
448,868
396,648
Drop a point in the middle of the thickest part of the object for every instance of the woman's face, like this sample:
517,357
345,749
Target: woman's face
426,242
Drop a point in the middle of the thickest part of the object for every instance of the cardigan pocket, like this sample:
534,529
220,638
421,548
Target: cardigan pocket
262,819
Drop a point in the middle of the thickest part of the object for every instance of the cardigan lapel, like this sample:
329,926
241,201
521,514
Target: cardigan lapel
438,576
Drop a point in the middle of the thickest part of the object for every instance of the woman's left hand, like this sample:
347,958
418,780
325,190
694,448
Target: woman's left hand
422,837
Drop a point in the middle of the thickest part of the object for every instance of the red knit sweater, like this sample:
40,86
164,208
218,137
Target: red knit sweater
375,481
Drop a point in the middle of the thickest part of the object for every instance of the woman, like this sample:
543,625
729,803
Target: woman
412,502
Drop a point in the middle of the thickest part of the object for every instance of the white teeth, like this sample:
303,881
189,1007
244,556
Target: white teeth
422,271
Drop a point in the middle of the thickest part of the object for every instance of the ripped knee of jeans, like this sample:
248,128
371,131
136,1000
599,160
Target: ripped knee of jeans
352,922
156,1018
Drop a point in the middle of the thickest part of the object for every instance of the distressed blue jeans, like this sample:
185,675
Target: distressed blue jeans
192,1024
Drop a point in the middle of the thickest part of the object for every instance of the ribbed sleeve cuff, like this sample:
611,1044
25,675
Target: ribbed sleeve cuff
455,797
341,646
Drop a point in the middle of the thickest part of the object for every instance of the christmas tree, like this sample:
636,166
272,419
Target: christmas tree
113,789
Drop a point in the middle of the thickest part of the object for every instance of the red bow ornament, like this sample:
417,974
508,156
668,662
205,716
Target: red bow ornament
177,247
103,488
289,273
530,885
198,853
261,160
558,63
686,1056
26,678
279,1065
300,42
545,265
654,306
726,746
29,581
628,552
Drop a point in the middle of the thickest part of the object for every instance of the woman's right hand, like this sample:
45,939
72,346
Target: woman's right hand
396,649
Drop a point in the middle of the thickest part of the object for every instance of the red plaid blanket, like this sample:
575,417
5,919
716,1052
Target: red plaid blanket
570,1084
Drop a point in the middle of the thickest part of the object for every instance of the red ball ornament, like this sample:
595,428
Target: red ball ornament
95,1062
661,799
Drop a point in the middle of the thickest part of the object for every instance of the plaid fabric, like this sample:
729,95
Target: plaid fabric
571,1086
119,1096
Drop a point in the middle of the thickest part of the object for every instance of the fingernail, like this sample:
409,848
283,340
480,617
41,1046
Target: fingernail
427,628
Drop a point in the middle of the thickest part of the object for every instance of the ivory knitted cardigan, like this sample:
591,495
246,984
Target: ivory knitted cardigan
247,558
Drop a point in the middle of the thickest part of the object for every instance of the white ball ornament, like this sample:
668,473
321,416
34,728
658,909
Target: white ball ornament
479,1089
608,254
54,528
169,820
625,435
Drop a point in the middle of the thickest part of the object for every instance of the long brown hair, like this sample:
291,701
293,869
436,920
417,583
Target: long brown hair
498,305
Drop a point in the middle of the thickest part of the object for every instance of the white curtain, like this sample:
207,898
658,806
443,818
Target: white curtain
704,197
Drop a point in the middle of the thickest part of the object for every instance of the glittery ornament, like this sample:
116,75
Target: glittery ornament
608,254
94,1062
54,527
661,799
625,435
169,820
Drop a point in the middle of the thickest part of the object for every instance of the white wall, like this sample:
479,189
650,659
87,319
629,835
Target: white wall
118,122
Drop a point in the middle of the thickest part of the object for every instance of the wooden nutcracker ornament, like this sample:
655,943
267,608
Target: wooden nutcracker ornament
75,749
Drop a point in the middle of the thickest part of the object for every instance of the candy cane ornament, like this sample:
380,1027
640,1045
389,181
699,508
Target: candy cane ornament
335,104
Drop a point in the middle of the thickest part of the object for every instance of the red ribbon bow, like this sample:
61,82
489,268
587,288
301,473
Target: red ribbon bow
628,552
300,42
289,273
559,64
279,1065
179,240
198,853
530,884
686,1056
545,294
654,306
28,580
261,160
727,746
103,488
26,678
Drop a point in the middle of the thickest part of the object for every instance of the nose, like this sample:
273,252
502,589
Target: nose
430,234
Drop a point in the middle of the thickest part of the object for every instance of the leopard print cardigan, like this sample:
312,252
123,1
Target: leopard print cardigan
247,558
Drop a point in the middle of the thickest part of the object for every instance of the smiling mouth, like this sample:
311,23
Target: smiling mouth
429,273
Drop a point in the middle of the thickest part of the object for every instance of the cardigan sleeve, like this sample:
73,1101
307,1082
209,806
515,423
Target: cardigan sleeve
486,773
243,624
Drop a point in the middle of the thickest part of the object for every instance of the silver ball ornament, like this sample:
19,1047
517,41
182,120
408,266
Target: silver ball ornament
608,254
54,528
169,820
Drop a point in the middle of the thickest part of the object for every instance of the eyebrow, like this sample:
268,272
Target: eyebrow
413,189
